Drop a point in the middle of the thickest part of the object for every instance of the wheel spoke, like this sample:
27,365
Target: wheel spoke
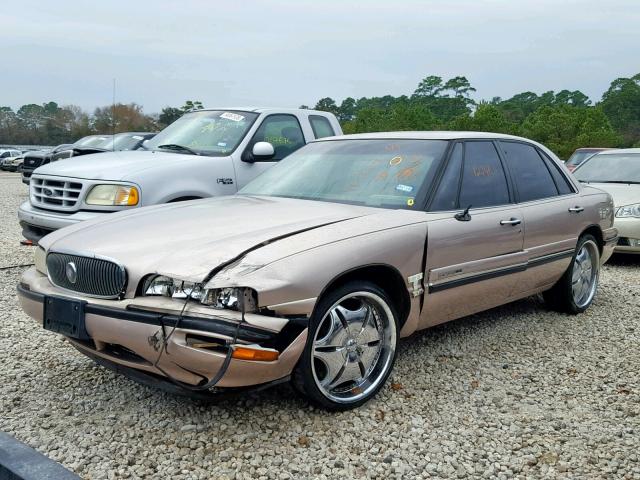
575,277
584,287
354,319
349,373
334,361
369,332
336,333
368,355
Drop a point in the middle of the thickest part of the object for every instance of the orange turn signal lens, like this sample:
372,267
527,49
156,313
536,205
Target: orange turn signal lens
127,196
255,354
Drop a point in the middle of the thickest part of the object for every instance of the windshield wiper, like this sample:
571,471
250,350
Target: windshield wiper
175,146
624,182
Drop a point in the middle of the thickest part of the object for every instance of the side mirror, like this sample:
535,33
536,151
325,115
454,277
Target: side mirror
145,144
262,151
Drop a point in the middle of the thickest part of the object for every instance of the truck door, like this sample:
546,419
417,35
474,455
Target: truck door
283,131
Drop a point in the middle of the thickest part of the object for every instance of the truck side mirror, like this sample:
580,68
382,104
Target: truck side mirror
262,151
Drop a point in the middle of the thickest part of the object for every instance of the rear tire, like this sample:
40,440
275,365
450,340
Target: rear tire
351,347
575,291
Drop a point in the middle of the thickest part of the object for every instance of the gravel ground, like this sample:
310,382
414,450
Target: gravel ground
12,193
514,392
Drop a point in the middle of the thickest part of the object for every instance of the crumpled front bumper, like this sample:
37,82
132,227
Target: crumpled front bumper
127,333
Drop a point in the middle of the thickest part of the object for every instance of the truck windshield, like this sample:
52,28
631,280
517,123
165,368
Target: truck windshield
379,173
207,132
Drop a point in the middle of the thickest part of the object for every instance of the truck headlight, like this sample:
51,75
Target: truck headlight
222,298
40,260
629,211
113,195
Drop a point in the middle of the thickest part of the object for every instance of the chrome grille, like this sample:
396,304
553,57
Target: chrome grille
93,276
57,194
32,162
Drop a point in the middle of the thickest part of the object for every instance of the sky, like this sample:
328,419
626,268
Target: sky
292,52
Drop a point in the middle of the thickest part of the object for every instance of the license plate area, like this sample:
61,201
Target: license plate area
65,316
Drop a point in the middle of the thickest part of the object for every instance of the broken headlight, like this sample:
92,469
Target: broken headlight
231,298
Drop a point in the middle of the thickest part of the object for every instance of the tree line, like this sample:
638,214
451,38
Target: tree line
52,124
563,120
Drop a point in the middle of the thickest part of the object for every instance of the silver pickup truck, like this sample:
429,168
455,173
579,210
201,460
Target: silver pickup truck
205,153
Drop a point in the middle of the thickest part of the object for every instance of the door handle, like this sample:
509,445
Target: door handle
511,221
576,209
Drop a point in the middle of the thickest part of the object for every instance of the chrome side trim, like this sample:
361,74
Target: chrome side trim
499,272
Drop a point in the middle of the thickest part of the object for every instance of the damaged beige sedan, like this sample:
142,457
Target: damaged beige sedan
314,271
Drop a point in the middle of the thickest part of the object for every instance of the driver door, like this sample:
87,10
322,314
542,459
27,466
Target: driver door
283,131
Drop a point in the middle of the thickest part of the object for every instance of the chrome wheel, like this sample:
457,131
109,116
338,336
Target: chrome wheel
354,347
584,277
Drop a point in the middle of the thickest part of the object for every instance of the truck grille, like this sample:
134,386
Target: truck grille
91,276
55,194
32,161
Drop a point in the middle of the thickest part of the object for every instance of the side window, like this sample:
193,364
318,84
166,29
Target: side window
564,187
321,126
281,131
446,197
530,174
484,183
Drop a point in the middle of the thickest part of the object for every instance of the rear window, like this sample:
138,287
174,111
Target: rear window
321,126
563,185
531,175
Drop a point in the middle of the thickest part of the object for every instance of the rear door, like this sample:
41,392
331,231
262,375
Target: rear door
470,258
551,209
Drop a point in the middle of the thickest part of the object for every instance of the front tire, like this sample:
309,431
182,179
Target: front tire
575,291
351,347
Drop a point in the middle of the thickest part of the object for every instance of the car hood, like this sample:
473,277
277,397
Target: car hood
187,240
116,166
622,193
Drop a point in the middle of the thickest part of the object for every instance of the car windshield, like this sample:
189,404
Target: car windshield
214,133
380,173
578,157
610,168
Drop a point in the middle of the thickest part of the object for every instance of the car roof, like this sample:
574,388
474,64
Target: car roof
619,151
136,133
593,149
437,135
264,110
427,135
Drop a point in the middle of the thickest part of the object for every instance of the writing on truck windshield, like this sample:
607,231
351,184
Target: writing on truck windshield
214,133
